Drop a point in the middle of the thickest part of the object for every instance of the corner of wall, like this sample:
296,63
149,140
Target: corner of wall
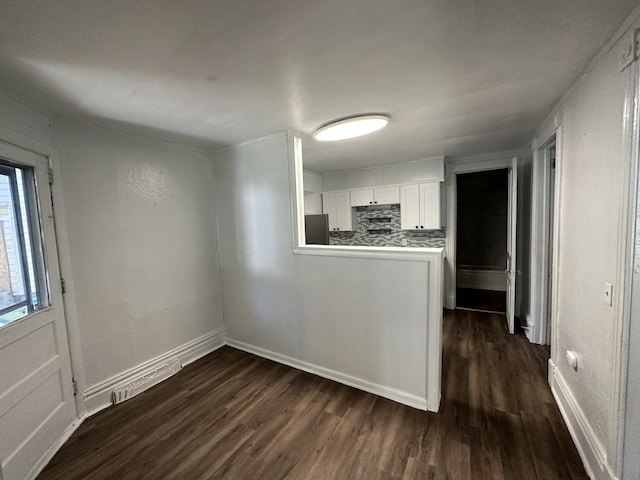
98,397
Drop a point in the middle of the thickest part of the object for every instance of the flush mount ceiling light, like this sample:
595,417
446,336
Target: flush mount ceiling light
350,127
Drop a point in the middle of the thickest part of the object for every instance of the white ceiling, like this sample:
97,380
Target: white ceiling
458,77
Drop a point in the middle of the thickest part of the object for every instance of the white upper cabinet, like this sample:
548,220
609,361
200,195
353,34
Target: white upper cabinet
362,197
430,205
386,195
329,207
338,206
420,206
375,196
410,207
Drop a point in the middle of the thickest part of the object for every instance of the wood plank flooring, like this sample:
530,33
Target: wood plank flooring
235,416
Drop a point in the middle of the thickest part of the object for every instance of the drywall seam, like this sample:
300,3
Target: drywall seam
391,393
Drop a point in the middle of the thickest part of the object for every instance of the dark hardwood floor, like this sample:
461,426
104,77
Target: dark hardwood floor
236,416
476,299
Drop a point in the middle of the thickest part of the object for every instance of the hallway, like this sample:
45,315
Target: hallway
236,416
498,404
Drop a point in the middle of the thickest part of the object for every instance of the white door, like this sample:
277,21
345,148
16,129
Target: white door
510,271
409,207
36,390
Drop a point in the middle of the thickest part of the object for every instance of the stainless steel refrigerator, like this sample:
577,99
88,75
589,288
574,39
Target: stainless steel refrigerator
316,229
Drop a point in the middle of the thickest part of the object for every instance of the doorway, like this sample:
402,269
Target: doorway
550,160
481,240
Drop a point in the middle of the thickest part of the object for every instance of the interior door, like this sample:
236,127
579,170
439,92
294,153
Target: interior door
36,390
510,270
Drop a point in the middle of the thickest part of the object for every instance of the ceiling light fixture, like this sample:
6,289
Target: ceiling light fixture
350,127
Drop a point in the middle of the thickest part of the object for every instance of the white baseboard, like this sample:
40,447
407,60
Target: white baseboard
53,449
394,394
481,279
591,450
450,302
98,396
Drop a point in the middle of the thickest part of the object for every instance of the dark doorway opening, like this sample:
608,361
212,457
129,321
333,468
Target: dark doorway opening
481,240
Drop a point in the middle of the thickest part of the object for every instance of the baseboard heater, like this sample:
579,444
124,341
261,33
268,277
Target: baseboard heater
147,380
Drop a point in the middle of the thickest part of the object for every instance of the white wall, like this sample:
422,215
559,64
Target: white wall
590,184
142,241
632,422
22,118
591,178
363,319
427,170
312,193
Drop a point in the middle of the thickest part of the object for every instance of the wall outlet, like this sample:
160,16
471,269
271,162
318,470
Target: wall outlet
608,293
405,242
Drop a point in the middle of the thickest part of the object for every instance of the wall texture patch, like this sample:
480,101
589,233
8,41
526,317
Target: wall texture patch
379,226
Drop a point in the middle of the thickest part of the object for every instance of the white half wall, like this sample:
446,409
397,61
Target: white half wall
362,321
143,248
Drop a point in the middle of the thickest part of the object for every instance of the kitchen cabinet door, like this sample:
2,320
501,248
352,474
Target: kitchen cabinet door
410,207
329,207
386,195
420,206
362,197
344,214
338,206
430,205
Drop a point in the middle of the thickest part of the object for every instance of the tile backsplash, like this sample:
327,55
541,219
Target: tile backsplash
385,217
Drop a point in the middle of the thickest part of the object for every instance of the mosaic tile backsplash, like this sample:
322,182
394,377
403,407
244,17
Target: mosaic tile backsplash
386,220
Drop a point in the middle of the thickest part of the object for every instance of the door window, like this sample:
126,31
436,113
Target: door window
23,287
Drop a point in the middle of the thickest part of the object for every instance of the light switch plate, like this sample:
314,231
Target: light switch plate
608,293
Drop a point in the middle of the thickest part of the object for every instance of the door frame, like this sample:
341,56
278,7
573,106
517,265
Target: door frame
64,260
497,161
540,300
